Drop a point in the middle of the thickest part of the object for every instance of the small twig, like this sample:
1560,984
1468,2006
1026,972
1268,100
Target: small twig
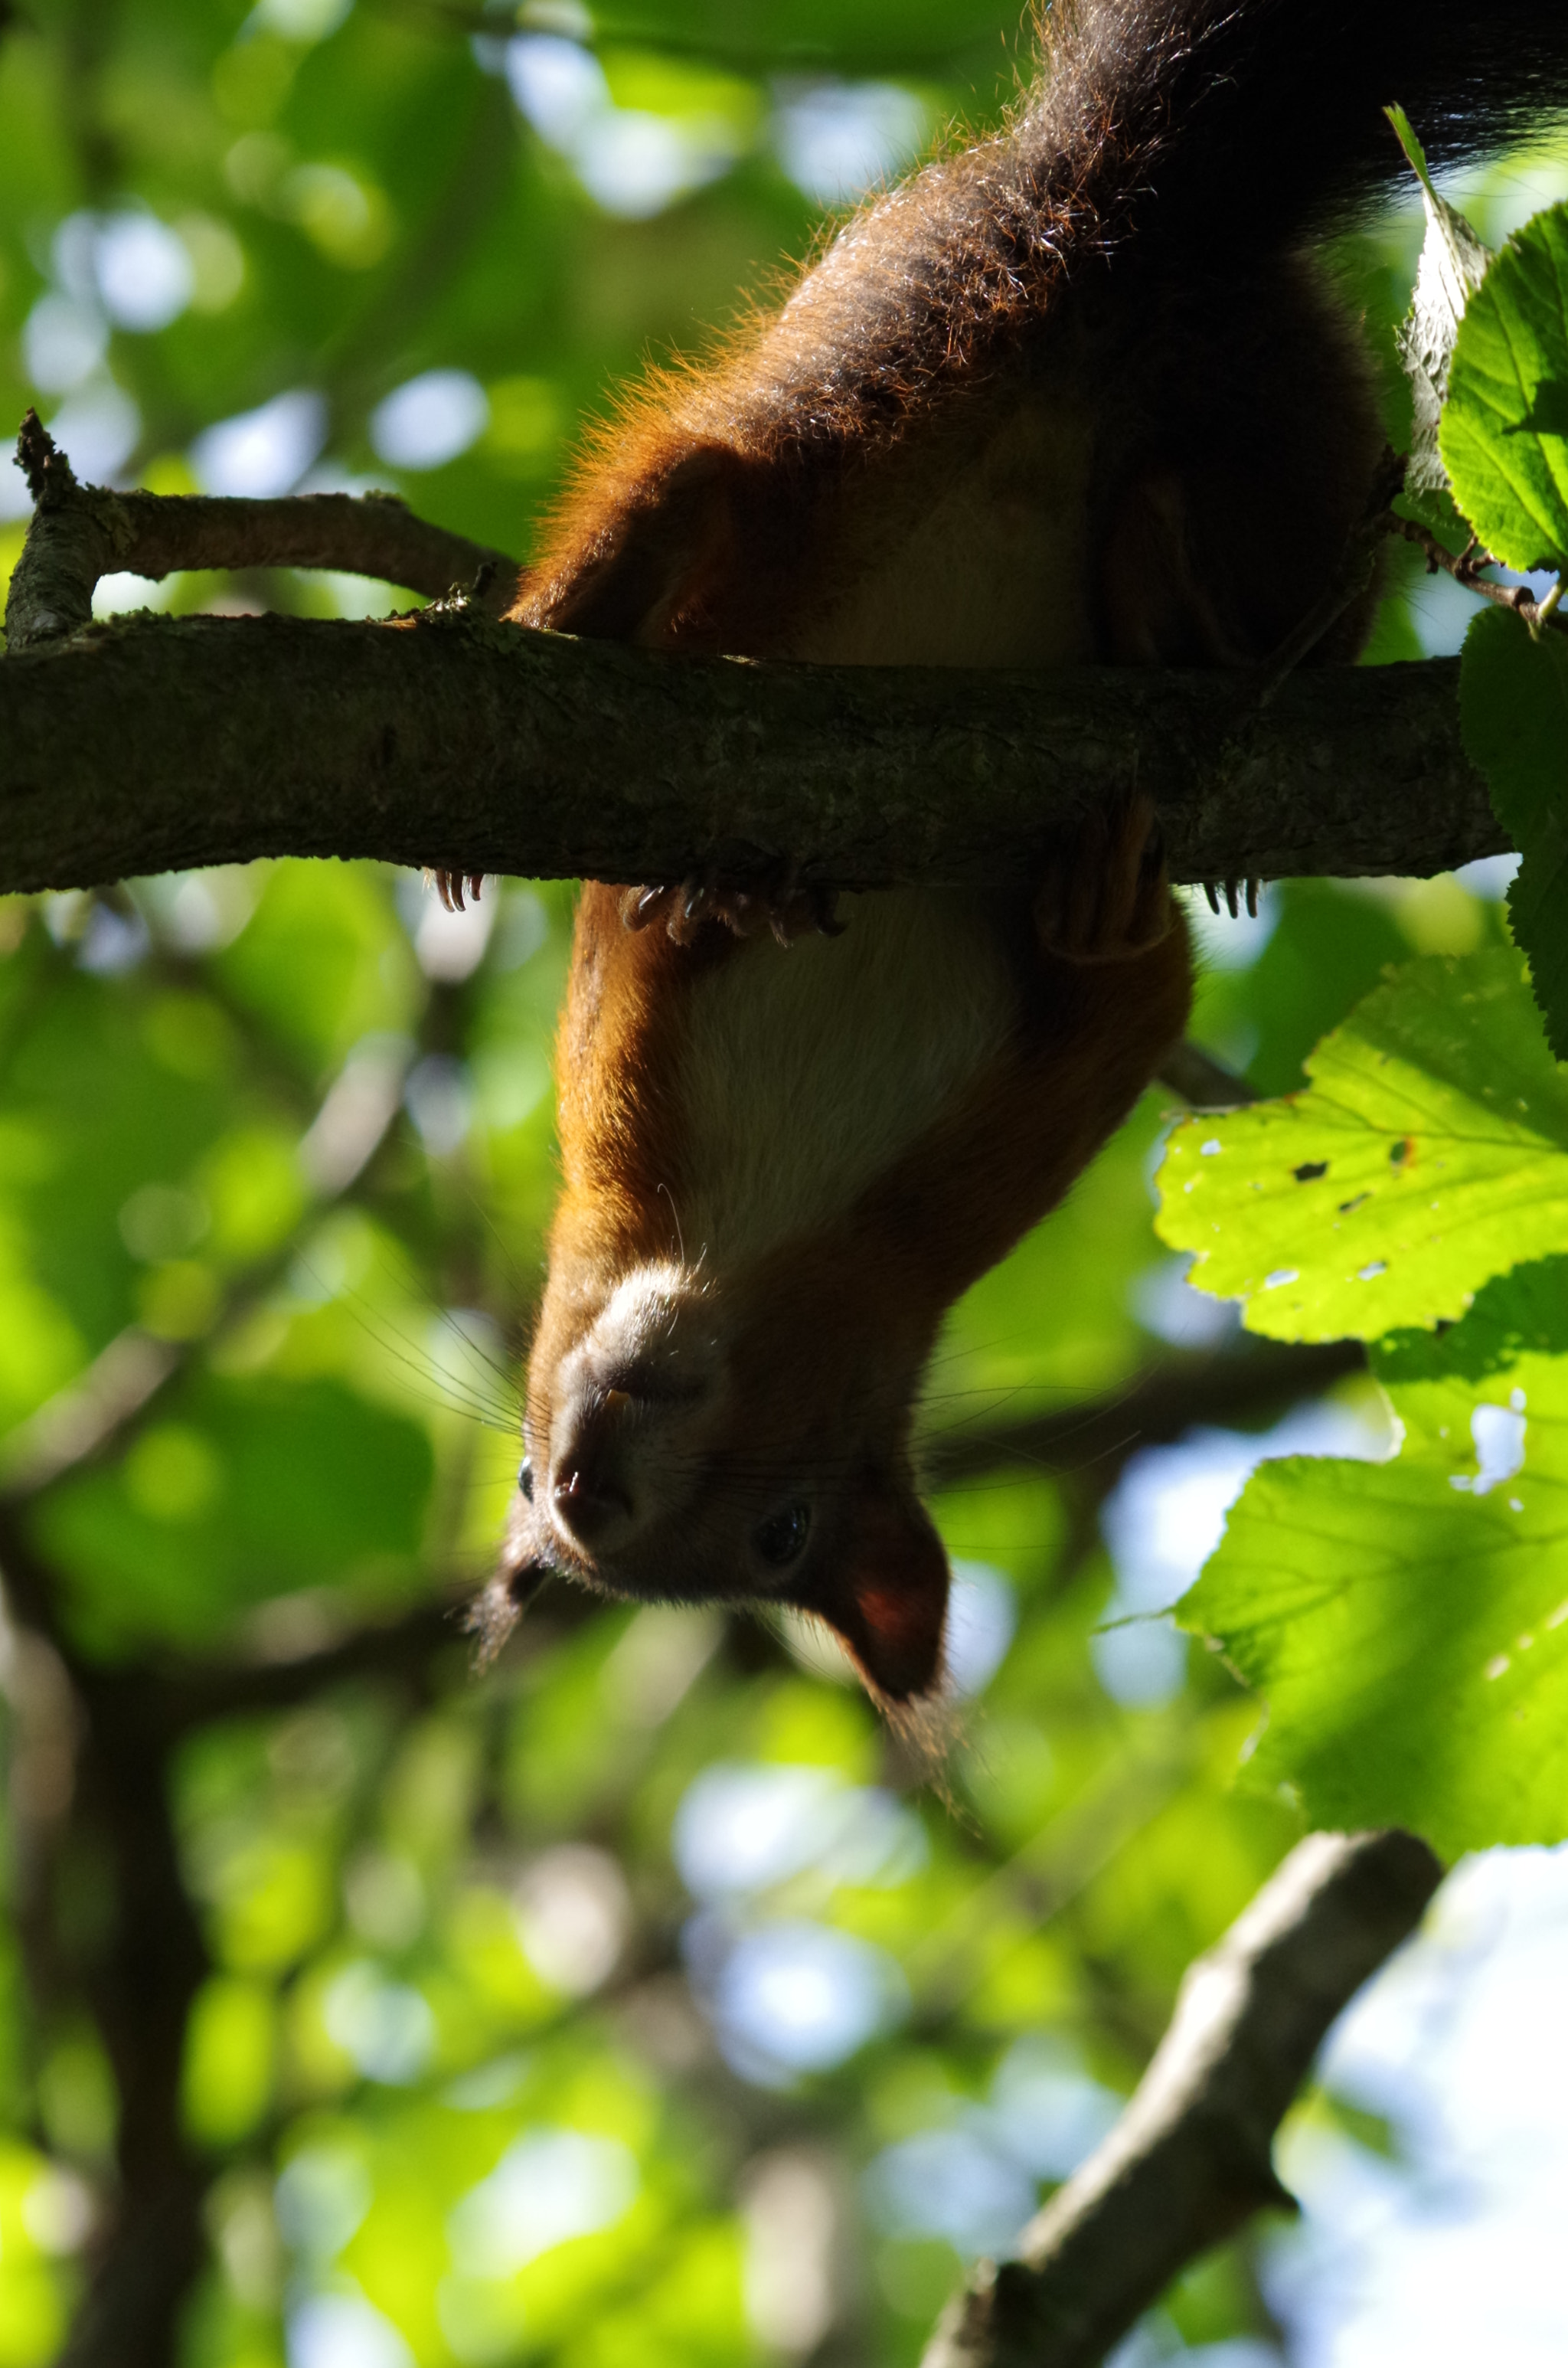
82,532
1546,614
1190,2160
1465,567
50,479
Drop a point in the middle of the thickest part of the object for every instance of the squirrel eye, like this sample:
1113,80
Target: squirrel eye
783,1537
525,1478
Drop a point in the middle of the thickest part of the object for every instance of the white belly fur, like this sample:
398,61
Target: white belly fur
808,1069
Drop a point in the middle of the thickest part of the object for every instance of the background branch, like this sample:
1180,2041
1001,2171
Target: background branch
1247,1387
1188,2161
138,1963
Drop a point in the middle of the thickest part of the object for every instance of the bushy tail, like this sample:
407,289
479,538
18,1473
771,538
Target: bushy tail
1257,121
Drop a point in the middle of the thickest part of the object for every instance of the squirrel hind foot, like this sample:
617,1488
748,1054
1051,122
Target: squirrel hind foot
788,911
1106,896
449,887
1234,891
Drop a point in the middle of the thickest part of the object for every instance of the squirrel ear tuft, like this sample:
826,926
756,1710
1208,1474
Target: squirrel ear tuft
890,1604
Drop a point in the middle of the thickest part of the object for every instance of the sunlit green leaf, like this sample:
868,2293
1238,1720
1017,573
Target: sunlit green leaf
1513,705
1453,263
1429,1153
1407,1623
1505,432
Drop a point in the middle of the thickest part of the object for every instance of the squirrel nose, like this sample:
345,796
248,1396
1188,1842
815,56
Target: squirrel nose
588,1504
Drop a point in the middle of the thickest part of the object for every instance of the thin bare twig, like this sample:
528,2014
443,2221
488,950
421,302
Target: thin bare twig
1190,2160
1465,567
82,532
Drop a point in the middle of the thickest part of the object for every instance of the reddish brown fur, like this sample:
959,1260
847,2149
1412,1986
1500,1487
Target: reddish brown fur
1025,409
832,1393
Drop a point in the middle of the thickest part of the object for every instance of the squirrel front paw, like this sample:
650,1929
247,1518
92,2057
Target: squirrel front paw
1107,896
789,912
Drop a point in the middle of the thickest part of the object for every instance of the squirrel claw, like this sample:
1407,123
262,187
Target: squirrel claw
1106,898
788,912
1232,892
449,887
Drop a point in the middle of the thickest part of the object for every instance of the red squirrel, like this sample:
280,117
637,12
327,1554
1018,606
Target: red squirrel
1074,395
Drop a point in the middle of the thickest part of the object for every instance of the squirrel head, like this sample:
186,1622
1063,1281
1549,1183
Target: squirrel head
691,1441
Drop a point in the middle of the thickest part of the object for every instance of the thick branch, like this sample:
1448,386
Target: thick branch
140,1959
141,1983
149,744
82,532
1188,2161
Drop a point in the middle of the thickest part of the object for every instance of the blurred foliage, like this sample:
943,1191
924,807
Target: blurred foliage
643,1998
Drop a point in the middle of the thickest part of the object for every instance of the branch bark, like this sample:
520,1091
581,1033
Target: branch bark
458,742
151,744
1188,2161
82,532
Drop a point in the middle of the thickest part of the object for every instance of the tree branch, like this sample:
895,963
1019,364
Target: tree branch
1465,567
82,532
463,744
149,744
1188,2161
1246,1385
139,1959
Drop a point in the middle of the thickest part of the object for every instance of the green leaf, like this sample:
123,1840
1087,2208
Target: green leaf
1429,1154
1453,263
1408,1622
1514,710
1504,427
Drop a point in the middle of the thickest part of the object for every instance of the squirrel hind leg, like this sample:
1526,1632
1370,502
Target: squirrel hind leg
1106,896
